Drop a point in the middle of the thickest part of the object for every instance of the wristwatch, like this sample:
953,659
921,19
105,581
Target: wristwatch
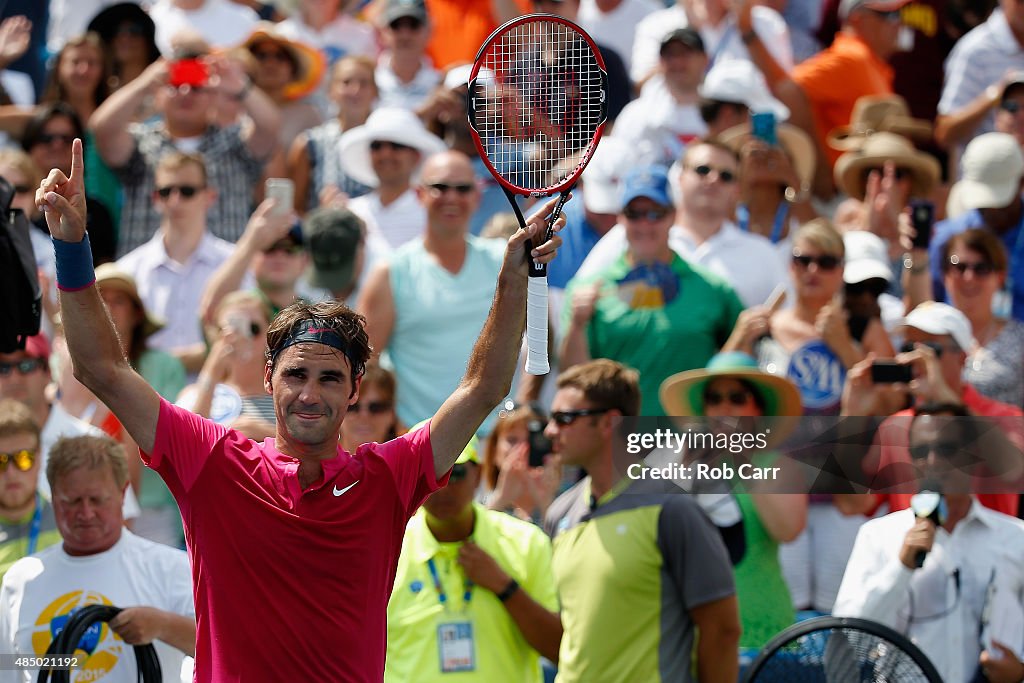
509,591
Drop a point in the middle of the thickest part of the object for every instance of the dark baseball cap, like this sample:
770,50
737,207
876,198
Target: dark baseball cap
399,9
687,36
332,237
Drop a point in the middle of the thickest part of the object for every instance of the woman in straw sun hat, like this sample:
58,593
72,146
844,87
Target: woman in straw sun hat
731,387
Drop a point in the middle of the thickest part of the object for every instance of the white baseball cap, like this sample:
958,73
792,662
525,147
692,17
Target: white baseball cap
866,257
991,167
939,318
738,80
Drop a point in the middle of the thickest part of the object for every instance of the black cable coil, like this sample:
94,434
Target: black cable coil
67,641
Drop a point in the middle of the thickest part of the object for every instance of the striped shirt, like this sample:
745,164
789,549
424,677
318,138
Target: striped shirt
232,172
325,164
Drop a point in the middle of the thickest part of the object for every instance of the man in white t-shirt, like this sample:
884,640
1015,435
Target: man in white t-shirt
99,562
386,153
705,187
221,23
722,37
405,74
666,117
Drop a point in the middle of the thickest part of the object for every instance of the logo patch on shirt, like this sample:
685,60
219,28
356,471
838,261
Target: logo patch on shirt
338,492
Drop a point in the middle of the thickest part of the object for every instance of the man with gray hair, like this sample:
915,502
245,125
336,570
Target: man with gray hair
99,562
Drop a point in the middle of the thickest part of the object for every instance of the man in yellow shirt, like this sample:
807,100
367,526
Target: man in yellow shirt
474,594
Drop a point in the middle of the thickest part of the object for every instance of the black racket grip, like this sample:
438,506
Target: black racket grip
536,269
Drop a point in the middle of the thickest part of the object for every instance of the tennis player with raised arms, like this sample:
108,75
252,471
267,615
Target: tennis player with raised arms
293,542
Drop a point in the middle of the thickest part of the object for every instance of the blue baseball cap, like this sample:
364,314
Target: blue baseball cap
646,181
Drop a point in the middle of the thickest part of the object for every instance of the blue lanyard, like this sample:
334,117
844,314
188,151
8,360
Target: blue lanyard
442,597
33,530
781,214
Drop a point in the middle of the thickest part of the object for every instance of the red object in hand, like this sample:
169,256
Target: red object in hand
191,72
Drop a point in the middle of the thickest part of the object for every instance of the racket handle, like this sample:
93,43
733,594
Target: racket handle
537,326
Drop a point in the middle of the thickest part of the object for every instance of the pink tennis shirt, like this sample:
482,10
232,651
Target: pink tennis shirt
289,585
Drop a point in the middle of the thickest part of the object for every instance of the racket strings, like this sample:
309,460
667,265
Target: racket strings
540,102
841,655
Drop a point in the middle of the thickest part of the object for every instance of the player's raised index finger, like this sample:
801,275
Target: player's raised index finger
77,164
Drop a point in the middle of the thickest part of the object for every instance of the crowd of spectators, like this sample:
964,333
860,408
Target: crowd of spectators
789,196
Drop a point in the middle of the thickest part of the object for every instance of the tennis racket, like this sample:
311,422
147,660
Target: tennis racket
537,107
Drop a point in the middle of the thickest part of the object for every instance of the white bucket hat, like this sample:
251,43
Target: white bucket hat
388,124
738,80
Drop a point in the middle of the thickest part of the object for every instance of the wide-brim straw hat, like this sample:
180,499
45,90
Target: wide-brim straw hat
310,63
879,114
797,144
109,276
682,394
852,167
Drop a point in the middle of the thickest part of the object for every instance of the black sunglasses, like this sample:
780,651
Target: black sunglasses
130,29
944,450
567,417
1011,106
459,472
439,189
186,191
934,346
980,269
372,407
875,287
22,459
47,138
650,214
378,145
826,262
891,15
737,398
703,170
24,367
410,23
287,246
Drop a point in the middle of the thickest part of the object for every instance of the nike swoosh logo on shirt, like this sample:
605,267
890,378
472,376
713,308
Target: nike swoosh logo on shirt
338,492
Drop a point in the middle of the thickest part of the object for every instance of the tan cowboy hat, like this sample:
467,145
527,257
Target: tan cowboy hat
682,394
879,113
797,144
109,276
852,167
310,63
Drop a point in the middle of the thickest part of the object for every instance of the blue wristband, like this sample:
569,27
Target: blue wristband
74,264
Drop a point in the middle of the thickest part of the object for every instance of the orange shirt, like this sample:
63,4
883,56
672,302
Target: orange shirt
459,28
835,78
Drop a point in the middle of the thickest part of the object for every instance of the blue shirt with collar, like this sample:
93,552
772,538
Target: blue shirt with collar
578,238
945,230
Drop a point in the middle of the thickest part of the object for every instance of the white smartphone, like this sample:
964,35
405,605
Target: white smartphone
283,190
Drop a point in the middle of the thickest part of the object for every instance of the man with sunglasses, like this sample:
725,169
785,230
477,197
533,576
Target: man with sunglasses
639,571
948,576
428,303
648,299
405,74
480,575
171,269
27,523
937,340
706,187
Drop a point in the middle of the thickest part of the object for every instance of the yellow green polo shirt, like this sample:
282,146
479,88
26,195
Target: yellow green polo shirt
628,570
14,536
415,611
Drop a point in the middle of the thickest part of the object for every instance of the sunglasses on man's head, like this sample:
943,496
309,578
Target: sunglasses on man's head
372,407
826,262
567,417
736,398
22,459
186,191
24,367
